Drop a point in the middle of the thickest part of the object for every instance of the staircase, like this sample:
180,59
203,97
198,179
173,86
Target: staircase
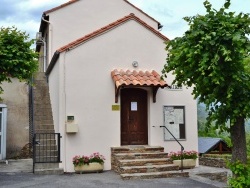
143,162
46,144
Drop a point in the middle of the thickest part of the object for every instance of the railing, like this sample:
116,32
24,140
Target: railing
182,148
46,148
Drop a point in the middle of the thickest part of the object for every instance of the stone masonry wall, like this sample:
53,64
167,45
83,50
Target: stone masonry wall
213,162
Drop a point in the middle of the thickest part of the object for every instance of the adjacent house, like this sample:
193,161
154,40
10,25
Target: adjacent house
14,119
103,62
208,145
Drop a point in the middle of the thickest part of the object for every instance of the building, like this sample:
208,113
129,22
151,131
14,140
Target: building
14,119
103,60
208,145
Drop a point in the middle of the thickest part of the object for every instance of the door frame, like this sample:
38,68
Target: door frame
3,131
147,113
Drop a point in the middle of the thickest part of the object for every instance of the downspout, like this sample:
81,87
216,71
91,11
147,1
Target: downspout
50,41
65,107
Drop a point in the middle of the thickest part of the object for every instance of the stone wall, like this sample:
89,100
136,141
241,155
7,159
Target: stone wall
213,162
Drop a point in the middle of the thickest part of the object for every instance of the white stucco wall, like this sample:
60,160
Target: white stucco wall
84,17
85,76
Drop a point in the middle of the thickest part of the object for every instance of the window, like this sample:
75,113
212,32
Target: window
174,120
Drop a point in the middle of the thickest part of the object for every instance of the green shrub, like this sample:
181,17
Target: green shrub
241,175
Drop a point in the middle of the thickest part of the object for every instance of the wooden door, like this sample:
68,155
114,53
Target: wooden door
134,117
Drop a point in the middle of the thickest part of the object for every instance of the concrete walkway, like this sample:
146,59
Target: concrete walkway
18,173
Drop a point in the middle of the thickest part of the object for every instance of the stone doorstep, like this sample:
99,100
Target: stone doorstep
140,155
50,171
136,149
146,169
168,174
143,162
46,166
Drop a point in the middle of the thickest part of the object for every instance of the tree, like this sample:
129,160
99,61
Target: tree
17,59
213,58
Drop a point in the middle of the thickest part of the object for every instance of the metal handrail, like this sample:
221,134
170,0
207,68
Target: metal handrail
182,148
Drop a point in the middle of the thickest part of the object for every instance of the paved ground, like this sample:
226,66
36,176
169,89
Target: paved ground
17,174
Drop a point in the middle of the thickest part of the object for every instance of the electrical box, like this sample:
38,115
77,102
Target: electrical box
71,128
70,118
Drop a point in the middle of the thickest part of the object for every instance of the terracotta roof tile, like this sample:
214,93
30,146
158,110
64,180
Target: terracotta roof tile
109,27
134,78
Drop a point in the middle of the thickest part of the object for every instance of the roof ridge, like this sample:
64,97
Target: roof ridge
141,11
109,27
60,6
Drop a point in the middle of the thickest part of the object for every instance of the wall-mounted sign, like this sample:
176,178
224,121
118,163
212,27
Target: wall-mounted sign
115,107
133,106
174,88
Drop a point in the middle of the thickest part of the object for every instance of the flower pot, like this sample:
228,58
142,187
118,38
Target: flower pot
187,163
91,167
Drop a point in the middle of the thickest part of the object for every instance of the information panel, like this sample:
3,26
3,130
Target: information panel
174,120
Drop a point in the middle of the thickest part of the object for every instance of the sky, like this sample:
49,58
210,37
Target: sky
26,14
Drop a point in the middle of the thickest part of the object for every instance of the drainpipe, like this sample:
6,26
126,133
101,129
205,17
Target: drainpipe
50,36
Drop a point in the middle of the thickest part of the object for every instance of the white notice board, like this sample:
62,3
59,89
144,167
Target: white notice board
174,120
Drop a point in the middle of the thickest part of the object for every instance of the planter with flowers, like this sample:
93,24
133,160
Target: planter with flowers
92,163
189,158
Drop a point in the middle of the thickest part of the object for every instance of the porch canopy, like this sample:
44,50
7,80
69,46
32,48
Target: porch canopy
135,78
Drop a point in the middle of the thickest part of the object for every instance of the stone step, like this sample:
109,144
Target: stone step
44,126
144,162
167,174
137,149
45,131
39,166
41,120
53,171
46,153
140,155
46,159
148,169
45,147
48,142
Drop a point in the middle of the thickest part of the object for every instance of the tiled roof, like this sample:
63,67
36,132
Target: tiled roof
137,78
205,144
109,27
73,1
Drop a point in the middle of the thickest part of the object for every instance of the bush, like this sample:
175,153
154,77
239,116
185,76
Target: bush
241,175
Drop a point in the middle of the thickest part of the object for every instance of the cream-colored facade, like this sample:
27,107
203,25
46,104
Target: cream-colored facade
81,85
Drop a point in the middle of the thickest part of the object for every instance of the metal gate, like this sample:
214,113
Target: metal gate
46,148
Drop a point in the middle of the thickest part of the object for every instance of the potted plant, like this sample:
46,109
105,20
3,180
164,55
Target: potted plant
188,157
92,163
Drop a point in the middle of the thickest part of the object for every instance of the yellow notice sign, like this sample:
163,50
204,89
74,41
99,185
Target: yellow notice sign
115,107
